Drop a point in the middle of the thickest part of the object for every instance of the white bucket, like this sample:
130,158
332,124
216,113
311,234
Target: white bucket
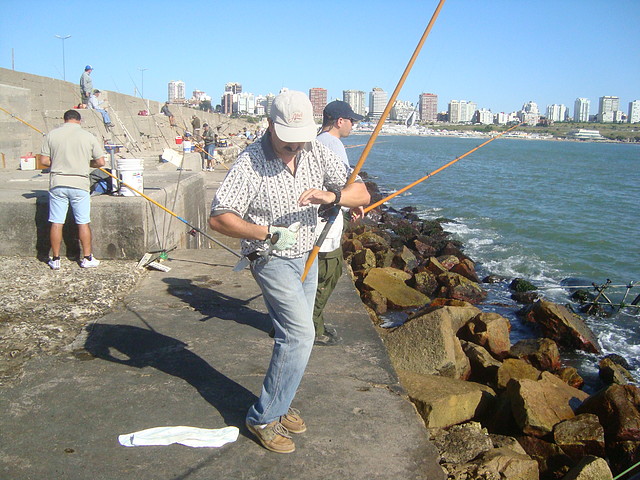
130,172
186,146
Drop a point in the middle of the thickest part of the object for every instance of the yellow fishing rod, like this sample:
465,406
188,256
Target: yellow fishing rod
194,229
20,120
411,185
336,209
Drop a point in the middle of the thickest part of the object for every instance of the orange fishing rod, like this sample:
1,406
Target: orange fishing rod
316,248
402,190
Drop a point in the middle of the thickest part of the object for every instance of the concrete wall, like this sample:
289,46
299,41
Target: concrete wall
42,101
122,227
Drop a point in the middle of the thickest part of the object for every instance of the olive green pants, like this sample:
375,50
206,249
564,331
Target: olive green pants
329,271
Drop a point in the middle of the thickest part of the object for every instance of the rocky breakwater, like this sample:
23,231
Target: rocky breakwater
494,409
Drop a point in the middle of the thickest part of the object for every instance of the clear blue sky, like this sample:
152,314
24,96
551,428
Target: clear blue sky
497,53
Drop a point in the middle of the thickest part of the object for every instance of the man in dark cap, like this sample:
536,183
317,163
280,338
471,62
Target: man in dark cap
338,119
86,85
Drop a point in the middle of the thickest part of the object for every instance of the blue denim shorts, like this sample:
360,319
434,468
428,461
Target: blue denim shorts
59,200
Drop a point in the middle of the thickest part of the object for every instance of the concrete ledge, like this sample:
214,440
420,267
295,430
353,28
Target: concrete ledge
122,227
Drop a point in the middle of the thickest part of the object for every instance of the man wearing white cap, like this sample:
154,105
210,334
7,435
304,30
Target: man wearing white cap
270,199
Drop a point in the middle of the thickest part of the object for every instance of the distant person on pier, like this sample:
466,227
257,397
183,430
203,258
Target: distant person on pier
86,85
337,121
209,151
195,125
165,110
95,103
71,153
270,200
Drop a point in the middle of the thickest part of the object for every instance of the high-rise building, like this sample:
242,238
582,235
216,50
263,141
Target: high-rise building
461,111
226,102
634,112
401,110
233,87
556,113
606,108
377,102
318,97
355,98
176,92
581,110
428,105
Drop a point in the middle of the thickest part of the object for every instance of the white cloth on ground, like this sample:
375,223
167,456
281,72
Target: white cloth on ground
189,436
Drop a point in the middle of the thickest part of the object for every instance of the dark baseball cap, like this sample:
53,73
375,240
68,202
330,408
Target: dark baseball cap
339,109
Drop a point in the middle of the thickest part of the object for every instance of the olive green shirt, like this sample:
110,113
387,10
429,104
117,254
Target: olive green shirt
71,149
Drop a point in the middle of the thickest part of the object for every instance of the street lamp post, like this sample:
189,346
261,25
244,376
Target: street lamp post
142,74
63,38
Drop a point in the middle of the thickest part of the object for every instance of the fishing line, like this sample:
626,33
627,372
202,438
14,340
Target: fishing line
193,227
333,212
404,189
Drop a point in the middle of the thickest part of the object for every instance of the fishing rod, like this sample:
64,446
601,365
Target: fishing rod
12,115
334,211
402,190
194,229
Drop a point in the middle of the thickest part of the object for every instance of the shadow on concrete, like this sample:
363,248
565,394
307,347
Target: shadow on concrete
139,347
70,239
214,304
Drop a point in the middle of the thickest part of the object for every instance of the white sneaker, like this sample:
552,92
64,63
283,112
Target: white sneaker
94,262
54,264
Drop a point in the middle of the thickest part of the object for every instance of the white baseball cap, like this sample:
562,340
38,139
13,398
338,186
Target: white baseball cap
292,117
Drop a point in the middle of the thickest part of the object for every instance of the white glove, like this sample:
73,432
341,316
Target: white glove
283,238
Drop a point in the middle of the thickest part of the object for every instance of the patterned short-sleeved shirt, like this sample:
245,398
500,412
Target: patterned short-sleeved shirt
260,189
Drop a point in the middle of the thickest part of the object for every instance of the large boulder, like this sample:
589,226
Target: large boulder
467,269
561,325
442,401
363,260
404,259
539,405
489,330
570,376
618,408
508,464
580,436
517,369
388,282
428,344
425,282
460,443
453,285
552,461
542,353
484,367
612,372
590,468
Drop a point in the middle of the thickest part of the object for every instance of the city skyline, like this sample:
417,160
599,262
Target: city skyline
498,54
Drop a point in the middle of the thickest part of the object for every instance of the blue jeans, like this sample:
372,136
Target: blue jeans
290,306
105,115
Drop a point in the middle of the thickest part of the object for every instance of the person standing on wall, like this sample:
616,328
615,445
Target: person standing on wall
86,85
338,119
209,148
165,111
71,153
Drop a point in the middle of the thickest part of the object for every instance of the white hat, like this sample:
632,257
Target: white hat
292,117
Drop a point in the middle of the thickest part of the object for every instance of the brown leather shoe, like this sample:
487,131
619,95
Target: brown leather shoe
273,437
293,422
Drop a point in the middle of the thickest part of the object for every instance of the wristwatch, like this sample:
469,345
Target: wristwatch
338,194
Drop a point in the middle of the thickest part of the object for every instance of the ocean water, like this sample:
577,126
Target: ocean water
541,210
